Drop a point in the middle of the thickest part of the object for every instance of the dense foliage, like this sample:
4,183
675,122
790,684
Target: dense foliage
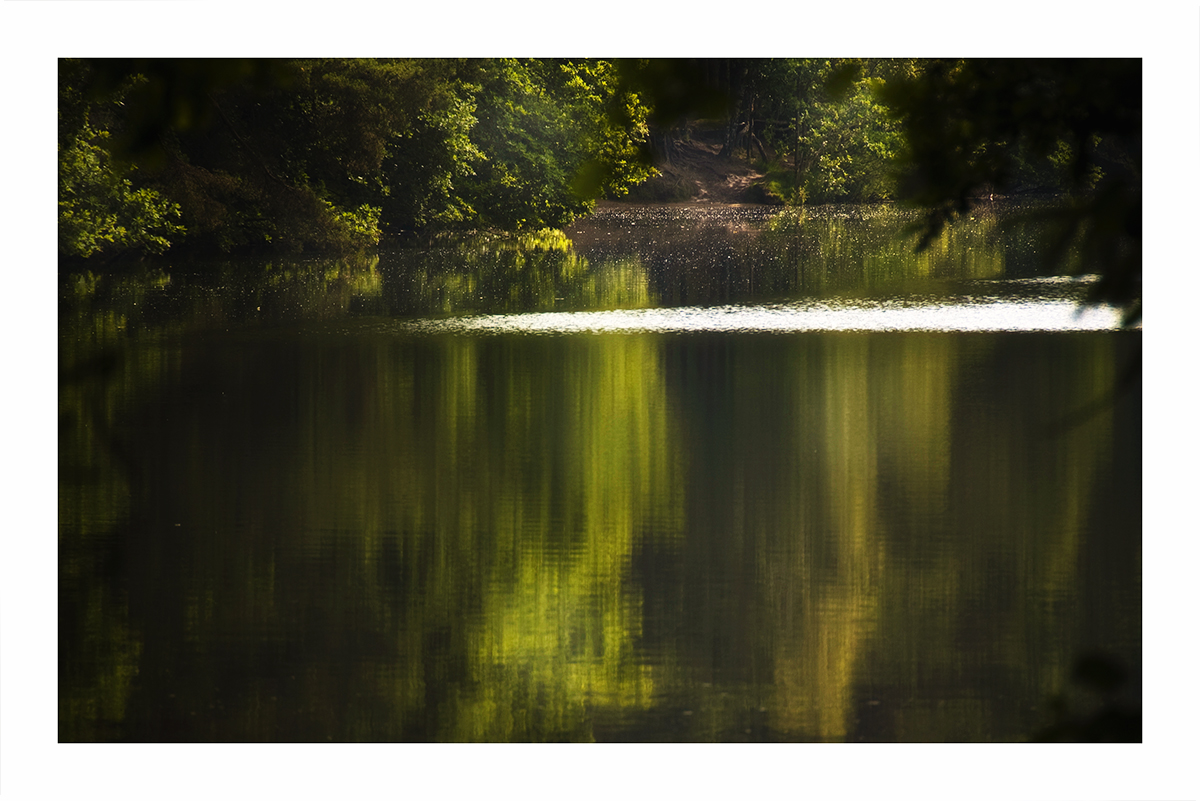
100,209
329,154
825,114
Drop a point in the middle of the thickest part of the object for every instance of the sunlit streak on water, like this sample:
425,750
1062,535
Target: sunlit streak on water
989,315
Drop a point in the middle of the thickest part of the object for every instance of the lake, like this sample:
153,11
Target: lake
679,473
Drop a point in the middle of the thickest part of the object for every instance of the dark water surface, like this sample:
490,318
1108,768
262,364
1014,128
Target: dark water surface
573,487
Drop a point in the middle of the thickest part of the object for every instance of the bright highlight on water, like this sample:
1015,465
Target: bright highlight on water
828,315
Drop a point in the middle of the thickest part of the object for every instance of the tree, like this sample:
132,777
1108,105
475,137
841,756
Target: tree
193,131
329,154
551,146
100,211
843,138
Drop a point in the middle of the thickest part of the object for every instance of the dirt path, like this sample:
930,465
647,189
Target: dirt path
695,172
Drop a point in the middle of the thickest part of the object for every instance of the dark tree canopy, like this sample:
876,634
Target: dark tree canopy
328,154
976,127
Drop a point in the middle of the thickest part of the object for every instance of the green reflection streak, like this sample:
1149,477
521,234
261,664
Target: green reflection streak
1014,499
918,526
512,482
533,272
553,637
832,589
856,252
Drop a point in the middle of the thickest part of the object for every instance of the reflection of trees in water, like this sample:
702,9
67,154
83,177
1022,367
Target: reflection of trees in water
120,361
488,274
376,543
763,254
504,572
925,558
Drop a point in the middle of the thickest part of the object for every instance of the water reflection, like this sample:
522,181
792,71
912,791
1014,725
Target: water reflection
301,504
622,258
700,255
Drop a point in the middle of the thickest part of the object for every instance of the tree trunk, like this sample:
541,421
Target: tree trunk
664,147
